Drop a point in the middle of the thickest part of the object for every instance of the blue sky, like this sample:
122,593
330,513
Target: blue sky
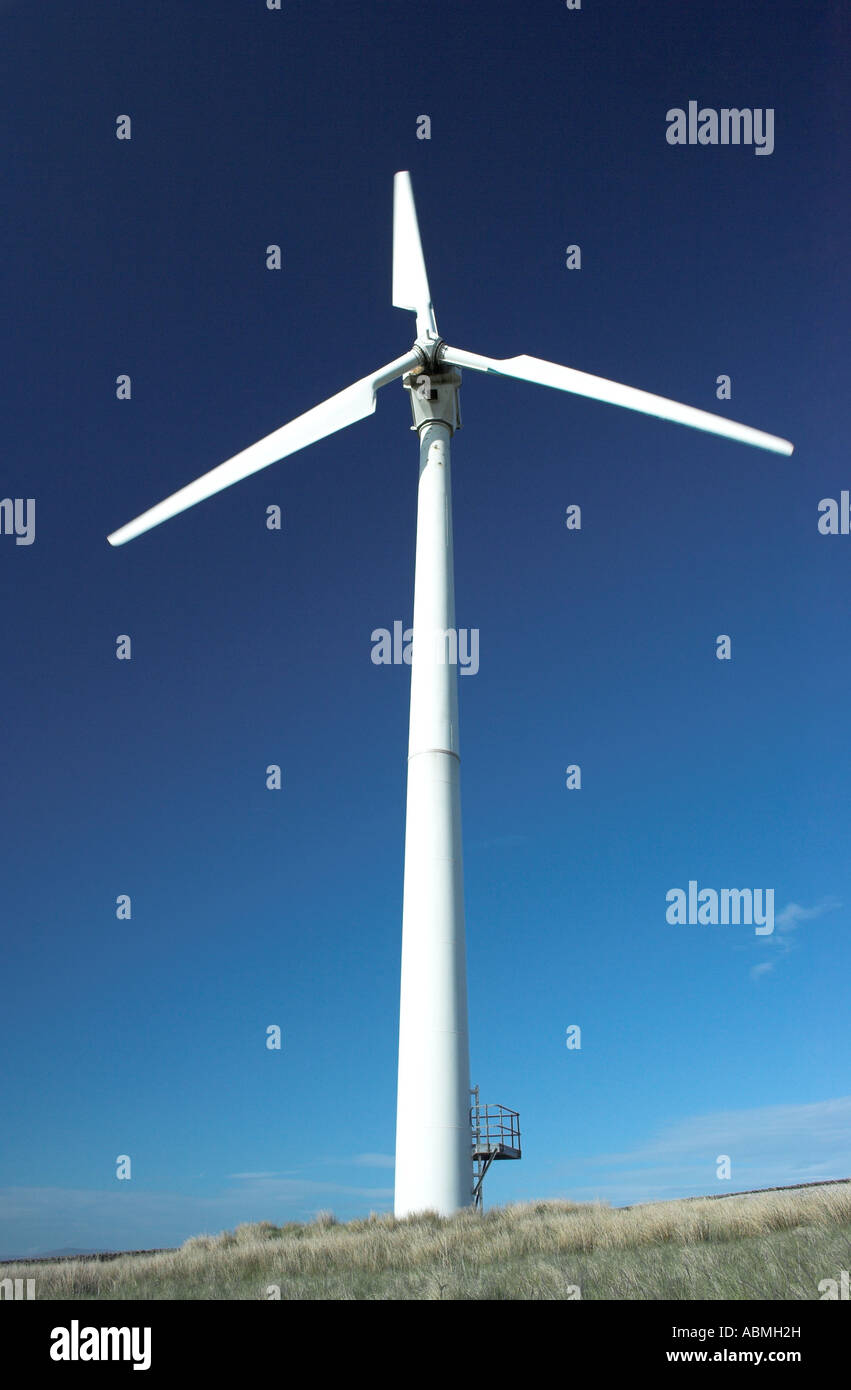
252,907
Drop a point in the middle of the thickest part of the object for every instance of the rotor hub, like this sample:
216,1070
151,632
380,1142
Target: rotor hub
430,346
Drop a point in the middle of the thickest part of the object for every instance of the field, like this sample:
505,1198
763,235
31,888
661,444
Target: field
772,1245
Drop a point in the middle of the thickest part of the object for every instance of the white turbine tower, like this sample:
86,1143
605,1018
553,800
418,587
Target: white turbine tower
434,1164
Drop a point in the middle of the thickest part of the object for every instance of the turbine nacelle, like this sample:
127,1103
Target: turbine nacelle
434,395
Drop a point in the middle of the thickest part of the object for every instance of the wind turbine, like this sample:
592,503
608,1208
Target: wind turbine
433,1137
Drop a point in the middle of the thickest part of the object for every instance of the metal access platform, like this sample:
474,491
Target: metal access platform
496,1135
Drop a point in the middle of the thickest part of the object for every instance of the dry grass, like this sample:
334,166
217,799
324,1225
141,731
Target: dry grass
772,1245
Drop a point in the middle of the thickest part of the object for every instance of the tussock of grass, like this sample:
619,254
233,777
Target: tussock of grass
767,1246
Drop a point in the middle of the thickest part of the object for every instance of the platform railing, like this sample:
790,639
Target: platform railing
494,1127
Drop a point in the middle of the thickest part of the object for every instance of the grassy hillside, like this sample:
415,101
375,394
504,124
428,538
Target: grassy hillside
776,1245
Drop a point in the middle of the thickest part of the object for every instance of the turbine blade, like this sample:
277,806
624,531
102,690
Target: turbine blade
346,408
598,388
410,282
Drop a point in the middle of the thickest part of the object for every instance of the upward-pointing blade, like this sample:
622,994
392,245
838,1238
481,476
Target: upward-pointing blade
410,282
347,407
544,373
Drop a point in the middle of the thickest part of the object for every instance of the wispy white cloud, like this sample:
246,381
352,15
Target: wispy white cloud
125,1217
781,941
290,1173
768,1146
767,1129
793,914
